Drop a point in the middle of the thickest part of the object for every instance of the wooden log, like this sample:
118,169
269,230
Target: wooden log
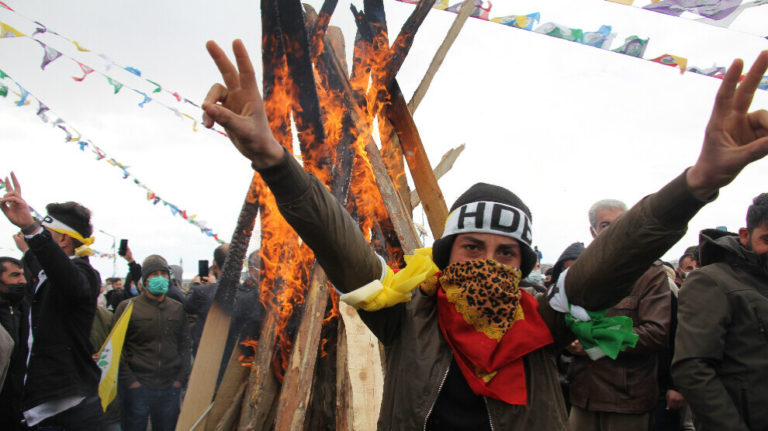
397,112
443,166
402,44
307,114
205,370
297,384
391,153
421,171
235,377
336,39
400,216
321,415
393,157
361,71
364,370
401,220
318,29
437,60
229,417
345,417
262,384
334,77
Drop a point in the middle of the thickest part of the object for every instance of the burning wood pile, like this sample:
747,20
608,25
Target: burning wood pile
305,373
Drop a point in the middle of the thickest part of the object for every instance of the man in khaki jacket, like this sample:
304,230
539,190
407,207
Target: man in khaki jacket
155,362
421,349
620,394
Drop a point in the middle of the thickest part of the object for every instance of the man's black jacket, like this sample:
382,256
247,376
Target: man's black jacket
63,306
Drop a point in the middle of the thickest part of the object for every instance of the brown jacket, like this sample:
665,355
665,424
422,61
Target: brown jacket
721,348
628,384
417,355
157,345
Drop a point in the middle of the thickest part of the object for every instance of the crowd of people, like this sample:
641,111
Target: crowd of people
56,315
475,338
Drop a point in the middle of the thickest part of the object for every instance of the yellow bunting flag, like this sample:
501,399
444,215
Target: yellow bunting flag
8,31
80,47
194,125
109,358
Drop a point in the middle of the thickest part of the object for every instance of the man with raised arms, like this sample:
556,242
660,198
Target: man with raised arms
466,348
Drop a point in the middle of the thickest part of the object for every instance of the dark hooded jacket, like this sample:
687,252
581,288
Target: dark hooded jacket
721,348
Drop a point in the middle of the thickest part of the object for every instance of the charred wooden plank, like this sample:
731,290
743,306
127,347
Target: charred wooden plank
262,388
262,383
398,214
402,44
391,153
229,418
202,381
298,58
395,207
297,384
228,392
421,171
318,29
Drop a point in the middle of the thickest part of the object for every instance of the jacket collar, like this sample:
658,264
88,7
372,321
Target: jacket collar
722,246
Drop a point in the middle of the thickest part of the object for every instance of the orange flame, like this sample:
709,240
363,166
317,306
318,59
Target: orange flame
249,343
286,260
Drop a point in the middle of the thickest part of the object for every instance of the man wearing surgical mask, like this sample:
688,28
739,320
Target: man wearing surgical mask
14,311
156,355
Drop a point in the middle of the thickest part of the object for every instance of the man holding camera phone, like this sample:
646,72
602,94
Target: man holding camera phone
202,292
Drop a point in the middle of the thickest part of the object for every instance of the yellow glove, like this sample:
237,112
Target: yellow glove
395,287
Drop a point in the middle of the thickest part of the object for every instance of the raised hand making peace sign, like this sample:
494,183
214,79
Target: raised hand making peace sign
237,105
734,137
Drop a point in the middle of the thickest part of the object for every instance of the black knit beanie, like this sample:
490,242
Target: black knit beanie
490,209
151,264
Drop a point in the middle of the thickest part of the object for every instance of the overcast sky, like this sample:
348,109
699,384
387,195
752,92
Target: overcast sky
559,123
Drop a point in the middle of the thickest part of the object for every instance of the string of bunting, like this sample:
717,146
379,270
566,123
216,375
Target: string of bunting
46,115
602,38
717,13
149,94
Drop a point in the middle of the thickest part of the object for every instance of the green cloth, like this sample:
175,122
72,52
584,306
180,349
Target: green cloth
610,334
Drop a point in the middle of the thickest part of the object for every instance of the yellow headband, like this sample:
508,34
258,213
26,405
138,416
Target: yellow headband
57,226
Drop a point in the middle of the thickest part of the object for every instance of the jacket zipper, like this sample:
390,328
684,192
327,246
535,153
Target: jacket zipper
439,388
488,409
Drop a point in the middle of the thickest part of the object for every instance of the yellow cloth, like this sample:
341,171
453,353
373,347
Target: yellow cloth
109,358
83,250
395,287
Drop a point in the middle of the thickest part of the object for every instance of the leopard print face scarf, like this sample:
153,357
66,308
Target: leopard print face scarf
490,324
485,293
